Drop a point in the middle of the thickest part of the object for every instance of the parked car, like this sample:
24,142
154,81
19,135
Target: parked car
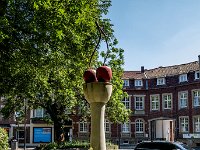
161,145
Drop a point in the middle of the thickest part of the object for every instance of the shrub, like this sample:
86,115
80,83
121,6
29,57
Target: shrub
3,139
63,145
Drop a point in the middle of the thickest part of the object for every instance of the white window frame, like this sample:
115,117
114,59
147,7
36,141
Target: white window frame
196,97
197,75
183,78
39,113
126,82
139,126
83,127
196,123
167,100
161,81
155,101
139,102
107,126
126,101
138,82
183,99
184,124
126,127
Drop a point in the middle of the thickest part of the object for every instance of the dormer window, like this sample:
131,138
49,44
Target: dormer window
138,83
160,81
126,82
197,75
182,77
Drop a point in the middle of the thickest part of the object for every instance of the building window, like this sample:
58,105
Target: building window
197,75
197,124
184,124
138,83
1,116
126,82
160,81
2,100
182,77
107,126
139,103
155,102
39,113
20,134
196,98
139,126
167,101
126,102
83,127
183,99
126,127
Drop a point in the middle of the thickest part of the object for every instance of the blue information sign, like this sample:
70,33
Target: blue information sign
42,135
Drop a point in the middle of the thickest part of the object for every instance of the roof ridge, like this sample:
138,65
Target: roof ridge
171,66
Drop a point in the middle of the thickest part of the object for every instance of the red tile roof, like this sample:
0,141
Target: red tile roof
162,71
133,75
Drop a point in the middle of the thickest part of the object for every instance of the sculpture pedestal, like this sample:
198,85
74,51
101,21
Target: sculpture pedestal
97,137
97,94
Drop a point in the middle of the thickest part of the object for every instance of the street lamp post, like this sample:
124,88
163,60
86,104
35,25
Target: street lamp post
24,124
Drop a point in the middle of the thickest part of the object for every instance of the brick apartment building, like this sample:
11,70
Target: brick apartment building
165,104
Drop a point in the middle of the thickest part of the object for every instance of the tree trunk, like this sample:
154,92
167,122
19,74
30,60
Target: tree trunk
59,135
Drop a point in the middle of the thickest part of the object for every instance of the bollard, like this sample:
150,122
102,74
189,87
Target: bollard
14,145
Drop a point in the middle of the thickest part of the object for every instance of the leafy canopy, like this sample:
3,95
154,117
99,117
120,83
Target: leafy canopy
46,46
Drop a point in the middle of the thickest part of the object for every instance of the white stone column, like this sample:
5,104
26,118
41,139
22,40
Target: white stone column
97,94
97,137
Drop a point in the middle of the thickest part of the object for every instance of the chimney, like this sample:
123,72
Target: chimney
142,67
199,63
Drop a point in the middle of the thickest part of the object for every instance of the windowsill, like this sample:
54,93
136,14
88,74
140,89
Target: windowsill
107,132
196,106
138,86
139,112
183,107
182,82
139,132
155,110
167,108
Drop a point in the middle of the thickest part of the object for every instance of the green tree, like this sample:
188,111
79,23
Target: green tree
3,139
45,47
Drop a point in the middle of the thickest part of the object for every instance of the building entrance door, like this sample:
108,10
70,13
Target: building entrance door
162,129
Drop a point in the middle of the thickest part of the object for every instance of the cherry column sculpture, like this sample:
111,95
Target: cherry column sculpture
97,94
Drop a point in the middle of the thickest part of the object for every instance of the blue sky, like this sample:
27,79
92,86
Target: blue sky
156,33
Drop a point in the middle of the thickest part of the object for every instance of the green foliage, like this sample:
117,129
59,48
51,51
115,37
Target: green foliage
73,144
3,139
45,47
63,145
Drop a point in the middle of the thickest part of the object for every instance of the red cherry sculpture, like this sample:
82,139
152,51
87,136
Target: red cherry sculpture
90,76
104,74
